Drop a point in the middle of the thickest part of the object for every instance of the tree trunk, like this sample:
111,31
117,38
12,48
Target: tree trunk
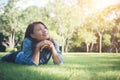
63,45
63,48
100,43
66,46
11,41
116,50
91,47
87,48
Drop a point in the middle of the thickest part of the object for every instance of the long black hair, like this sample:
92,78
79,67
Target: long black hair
30,28
29,31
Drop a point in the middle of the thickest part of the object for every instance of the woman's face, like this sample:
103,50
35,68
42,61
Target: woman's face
40,32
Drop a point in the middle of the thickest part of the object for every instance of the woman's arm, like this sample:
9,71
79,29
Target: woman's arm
38,49
55,55
36,55
25,56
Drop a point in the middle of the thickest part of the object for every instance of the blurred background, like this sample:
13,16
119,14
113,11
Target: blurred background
77,25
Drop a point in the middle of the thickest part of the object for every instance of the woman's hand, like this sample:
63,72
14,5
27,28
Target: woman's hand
48,44
45,44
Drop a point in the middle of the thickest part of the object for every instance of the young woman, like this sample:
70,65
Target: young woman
37,47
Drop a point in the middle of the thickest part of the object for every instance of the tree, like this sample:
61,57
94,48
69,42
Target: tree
9,24
100,25
113,13
66,17
88,38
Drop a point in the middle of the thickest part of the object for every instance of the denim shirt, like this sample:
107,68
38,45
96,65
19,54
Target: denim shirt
25,56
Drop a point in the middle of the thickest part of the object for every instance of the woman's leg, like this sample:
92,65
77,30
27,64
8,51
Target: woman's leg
10,57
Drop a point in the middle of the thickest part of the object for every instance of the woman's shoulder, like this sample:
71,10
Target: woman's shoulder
55,43
27,41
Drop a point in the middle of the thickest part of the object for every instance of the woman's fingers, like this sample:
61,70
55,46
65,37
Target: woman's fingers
44,46
48,42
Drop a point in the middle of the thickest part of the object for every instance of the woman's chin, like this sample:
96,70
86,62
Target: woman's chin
44,38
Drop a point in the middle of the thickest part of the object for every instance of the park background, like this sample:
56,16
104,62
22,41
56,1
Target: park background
84,29
77,25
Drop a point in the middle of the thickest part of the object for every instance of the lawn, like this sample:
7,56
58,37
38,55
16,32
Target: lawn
76,67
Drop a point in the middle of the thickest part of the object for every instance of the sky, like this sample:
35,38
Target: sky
3,2
104,3
100,4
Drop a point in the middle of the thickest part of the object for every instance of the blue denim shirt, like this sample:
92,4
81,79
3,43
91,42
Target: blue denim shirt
25,56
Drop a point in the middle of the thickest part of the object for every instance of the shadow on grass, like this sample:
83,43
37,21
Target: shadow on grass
74,68
11,71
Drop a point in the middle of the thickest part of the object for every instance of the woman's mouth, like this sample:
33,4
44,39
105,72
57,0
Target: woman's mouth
45,34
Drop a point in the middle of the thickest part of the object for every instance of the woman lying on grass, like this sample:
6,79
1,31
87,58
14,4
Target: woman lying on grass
37,47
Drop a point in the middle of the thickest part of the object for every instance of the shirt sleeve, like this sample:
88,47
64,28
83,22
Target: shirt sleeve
25,56
58,51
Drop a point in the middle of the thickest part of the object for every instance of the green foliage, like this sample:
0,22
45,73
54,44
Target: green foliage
10,49
87,36
106,40
66,18
118,35
72,25
9,24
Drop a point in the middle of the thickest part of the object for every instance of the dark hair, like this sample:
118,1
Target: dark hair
30,28
29,31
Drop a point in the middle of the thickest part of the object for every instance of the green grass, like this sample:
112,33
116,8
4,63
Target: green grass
75,67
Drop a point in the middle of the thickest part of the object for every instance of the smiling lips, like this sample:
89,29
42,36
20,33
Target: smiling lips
45,34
